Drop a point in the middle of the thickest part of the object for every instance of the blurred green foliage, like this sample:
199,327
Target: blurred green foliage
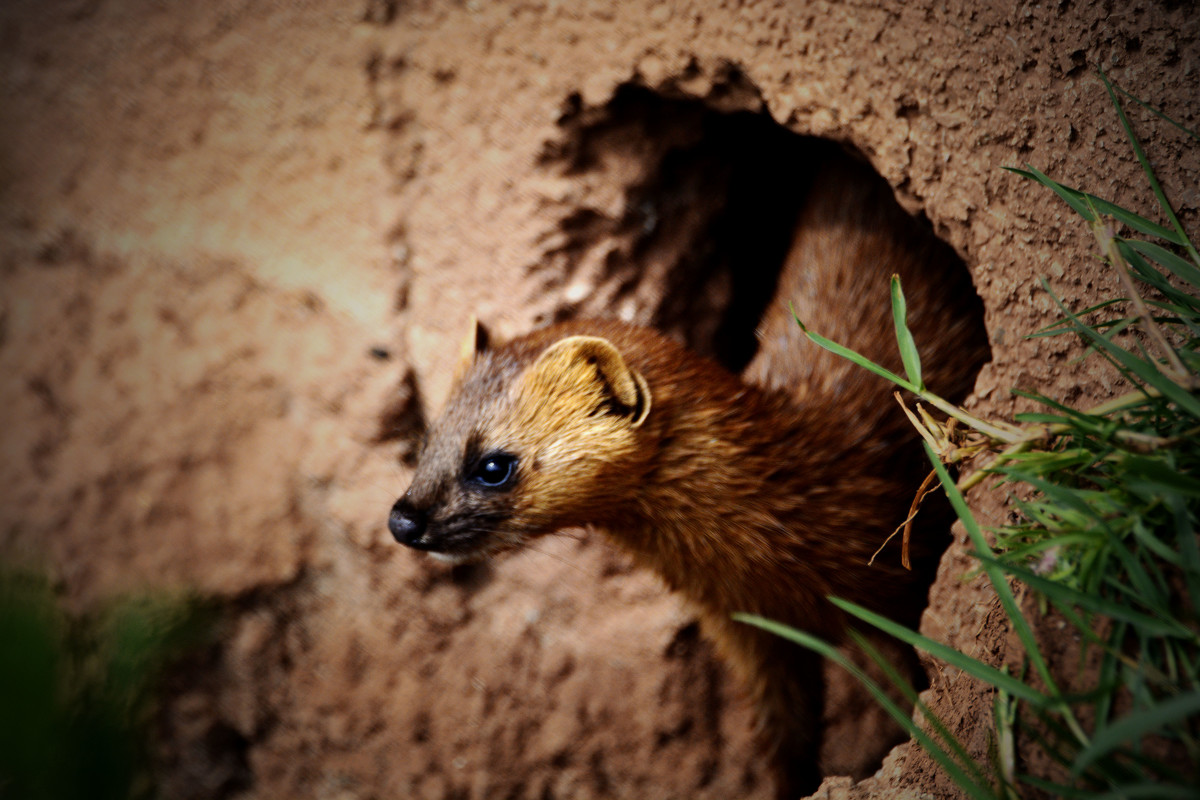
77,691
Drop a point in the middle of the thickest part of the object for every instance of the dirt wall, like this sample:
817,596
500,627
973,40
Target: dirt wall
240,242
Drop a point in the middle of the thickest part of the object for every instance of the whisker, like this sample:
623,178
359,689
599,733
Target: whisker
390,491
559,558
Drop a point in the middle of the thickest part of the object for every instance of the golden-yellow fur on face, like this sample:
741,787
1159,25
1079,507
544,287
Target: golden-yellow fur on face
567,410
574,416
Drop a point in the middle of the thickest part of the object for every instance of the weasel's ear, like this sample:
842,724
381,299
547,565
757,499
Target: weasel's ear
474,343
589,365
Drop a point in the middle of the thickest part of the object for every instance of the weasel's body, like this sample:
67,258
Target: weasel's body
761,497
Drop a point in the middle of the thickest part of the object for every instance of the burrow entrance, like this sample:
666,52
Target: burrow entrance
687,208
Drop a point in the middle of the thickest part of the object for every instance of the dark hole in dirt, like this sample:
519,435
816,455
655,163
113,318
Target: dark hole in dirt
712,188
709,206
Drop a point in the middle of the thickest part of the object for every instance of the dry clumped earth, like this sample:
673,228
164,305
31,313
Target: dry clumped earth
241,242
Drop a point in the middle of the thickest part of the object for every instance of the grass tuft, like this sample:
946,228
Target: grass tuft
1107,536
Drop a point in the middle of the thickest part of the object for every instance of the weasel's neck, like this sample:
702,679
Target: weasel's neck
750,501
745,506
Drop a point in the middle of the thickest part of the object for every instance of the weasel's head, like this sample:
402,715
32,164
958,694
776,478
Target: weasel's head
532,441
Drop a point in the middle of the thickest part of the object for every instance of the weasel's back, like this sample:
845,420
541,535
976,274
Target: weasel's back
851,237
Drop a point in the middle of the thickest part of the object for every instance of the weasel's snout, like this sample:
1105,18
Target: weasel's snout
407,524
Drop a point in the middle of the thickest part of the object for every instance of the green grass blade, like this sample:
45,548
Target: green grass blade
1185,303
1146,538
1144,370
1155,472
1133,726
1189,549
973,667
1065,596
1143,590
1088,205
1063,496
1035,418
1054,462
1185,129
999,584
1059,327
904,338
1135,221
1056,740
1160,601
1109,668
951,741
1052,403
1072,197
862,361
1125,790
1161,255
1021,553
1163,203
960,777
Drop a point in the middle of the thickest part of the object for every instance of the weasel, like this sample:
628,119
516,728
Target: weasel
762,494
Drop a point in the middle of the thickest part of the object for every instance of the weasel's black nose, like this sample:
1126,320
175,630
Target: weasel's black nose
406,524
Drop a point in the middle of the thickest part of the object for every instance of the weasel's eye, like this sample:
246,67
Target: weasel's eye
494,471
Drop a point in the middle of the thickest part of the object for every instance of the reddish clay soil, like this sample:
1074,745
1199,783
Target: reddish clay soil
240,243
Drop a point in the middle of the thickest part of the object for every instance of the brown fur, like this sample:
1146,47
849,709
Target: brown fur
763,496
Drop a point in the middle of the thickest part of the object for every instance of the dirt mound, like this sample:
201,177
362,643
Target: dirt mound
240,244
